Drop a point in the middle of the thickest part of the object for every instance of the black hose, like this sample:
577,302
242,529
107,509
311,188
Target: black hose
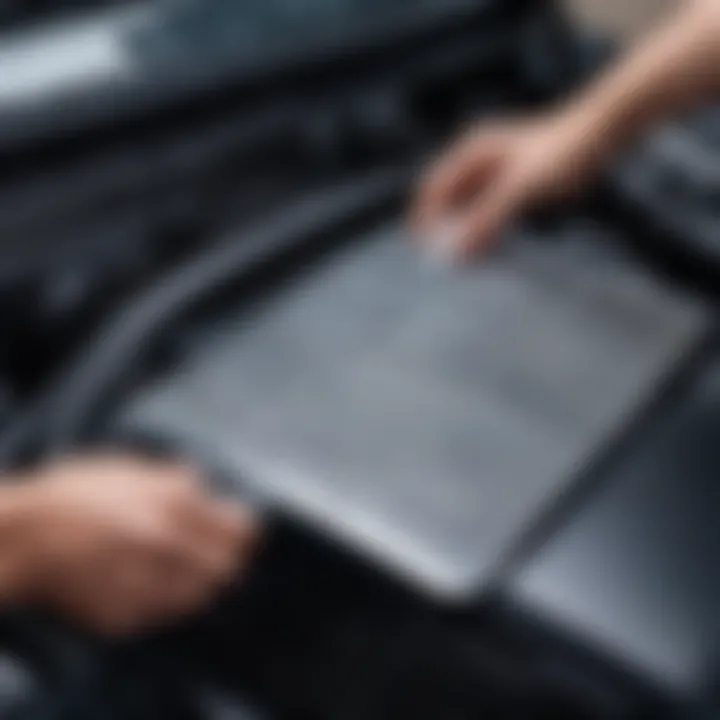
57,420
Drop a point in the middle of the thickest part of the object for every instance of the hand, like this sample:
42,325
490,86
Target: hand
120,544
499,170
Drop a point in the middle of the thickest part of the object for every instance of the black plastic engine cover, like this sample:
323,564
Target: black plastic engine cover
632,574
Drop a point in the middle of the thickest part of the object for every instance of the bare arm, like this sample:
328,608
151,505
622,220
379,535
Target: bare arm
505,168
119,544
676,68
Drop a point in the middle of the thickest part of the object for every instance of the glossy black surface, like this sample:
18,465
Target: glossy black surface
635,574
123,61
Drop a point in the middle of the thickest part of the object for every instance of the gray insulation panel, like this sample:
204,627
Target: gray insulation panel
428,415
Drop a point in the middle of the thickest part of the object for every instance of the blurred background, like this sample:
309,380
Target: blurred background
204,255
624,19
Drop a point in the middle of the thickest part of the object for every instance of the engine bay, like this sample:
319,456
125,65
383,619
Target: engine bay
489,490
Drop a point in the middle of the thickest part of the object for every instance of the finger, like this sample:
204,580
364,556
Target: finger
487,218
235,530
435,195
175,478
463,172
224,523
184,595
144,594
184,552
136,586
165,596
109,609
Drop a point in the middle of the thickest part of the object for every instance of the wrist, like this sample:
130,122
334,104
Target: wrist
590,136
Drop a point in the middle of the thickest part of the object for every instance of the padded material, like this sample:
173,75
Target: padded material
428,414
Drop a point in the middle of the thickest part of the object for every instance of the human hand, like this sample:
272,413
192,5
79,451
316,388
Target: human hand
497,171
119,544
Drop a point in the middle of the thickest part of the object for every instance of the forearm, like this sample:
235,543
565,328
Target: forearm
675,69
